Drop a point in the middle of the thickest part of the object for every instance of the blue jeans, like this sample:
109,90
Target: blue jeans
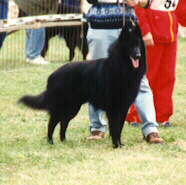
3,15
35,40
99,41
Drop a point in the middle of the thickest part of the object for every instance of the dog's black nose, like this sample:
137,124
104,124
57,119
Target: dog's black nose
136,53
138,56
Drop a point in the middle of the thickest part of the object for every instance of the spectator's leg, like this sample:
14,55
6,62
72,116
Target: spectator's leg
99,42
34,45
36,42
145,105
165,81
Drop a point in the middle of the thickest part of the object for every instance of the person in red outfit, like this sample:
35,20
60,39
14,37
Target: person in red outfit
160,33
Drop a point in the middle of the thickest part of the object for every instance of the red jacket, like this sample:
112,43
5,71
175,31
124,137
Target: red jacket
162,25
181,12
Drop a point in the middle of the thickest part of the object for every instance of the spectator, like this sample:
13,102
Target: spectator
100,36
3,15
38,7
36,37
161,42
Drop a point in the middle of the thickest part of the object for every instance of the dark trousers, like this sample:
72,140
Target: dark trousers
3,15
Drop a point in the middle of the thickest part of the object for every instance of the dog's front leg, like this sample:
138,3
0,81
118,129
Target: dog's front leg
115,128
122,121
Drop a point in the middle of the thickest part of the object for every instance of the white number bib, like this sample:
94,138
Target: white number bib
164,5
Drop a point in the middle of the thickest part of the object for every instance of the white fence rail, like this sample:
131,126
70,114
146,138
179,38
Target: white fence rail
36,22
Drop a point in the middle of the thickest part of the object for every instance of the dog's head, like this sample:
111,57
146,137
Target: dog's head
131,38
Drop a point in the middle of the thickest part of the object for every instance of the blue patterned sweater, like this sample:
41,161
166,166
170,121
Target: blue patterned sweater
107,15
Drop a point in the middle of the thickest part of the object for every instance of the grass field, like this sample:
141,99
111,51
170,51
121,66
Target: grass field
26,158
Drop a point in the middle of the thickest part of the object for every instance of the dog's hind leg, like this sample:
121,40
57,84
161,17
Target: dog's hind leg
63,127
54,120
65,120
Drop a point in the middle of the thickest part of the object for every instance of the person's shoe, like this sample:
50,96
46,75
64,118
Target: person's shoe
165,124
39,60
154,138
134,124
96,135
27,60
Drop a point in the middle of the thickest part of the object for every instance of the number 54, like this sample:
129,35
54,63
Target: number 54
170,3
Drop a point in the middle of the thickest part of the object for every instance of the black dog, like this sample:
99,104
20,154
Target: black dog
73,35
110,84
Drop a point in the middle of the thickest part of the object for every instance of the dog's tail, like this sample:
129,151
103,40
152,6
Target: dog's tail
36,102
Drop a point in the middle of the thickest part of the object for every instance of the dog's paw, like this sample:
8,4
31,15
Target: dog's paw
118,144
62,139
50,142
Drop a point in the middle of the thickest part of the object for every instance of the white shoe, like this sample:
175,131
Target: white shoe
39,60
27,60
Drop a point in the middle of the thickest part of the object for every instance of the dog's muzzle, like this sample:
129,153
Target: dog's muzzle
135,57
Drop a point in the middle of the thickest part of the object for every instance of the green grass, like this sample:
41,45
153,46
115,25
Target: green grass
26,158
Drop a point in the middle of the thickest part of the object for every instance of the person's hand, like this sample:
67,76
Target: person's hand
148,39
140,3
132,2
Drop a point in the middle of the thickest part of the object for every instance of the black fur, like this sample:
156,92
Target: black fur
74,36
110,84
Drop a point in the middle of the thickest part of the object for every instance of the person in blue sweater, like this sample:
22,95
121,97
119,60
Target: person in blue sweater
105,18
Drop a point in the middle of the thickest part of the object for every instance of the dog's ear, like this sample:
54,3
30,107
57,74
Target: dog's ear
129,25
131,28
126,31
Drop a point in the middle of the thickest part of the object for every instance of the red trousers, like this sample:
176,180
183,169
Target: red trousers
161,60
